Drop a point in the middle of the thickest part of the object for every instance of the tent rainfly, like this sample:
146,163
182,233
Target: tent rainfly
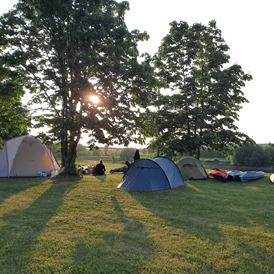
150,175
26,156
192,169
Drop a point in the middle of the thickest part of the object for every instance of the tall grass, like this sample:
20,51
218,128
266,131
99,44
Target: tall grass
87,225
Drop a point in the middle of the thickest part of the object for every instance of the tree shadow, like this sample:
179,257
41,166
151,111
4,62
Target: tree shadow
115,250
221,223
184,212
21,227
11,186
101,178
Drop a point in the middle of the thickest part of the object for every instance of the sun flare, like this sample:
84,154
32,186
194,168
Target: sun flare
94,99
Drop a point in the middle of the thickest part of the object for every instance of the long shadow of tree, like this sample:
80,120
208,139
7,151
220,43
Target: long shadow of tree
11,186
22,227
201,211
113,251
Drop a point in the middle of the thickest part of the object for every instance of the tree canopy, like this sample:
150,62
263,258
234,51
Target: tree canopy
77,49
14,116
205,92
252,155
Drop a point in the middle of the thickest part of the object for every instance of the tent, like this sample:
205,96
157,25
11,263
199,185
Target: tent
191,169
149,175
26,156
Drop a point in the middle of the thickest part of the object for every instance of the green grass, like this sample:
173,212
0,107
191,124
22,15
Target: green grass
87,225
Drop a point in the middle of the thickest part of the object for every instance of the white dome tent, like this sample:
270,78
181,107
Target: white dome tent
26,156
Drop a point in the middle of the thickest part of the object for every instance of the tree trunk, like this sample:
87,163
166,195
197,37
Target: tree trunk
69,159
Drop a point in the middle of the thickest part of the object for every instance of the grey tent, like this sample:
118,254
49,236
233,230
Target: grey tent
26,156
191,169
150,175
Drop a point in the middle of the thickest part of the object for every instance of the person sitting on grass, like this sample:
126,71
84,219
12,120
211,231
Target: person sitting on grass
100,168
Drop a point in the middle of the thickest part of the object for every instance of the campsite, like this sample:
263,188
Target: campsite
75,82
88,225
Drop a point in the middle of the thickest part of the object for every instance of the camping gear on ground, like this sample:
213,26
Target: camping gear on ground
251,175
191,168
27,156
218,174
159,173
234,175
272,178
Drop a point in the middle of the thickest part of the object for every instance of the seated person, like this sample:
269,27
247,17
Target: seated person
100,169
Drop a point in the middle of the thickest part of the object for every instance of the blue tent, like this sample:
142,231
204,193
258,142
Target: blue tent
150,175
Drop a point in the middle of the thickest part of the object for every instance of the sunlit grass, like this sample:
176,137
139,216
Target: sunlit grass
87,225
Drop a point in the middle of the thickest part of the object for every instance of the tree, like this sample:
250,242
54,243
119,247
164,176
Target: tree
81,148
96,152
14,116
205,94
270,150
78,49
127,154
14,119
252,155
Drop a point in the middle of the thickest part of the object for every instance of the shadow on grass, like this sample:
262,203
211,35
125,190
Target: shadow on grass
202,208
11,186
118,252
219,213
101,178
20,228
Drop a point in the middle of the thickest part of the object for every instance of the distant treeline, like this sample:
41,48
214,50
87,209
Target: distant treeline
253,155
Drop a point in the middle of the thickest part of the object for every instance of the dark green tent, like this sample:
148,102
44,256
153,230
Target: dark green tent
191,169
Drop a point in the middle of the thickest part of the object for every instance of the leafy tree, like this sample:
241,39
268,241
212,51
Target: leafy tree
270,150
14,116
78,49
81,148
96,152
127,154
211,154
205,94
252,155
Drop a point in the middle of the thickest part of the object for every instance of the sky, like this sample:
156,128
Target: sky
247,28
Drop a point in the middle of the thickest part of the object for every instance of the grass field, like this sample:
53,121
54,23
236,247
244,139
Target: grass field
87,225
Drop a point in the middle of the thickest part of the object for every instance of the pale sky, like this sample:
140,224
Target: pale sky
247,28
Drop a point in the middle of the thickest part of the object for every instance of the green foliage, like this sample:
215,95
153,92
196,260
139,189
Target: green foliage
96,152
14,120
270,150
77,49
14,117
253,155
81,148
211,154
206,93
127,154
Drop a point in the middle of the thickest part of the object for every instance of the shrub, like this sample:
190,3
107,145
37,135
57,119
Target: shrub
253,155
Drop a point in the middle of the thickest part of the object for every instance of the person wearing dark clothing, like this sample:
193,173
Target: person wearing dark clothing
136,155
128,164
100,168
121,169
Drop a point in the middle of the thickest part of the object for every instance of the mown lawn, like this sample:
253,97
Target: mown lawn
87,225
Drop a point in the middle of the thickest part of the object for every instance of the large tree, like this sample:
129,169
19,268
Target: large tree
205,92
78,49
14,116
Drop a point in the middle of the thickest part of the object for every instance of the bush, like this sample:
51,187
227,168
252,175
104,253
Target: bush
127,154
253,155
270,150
